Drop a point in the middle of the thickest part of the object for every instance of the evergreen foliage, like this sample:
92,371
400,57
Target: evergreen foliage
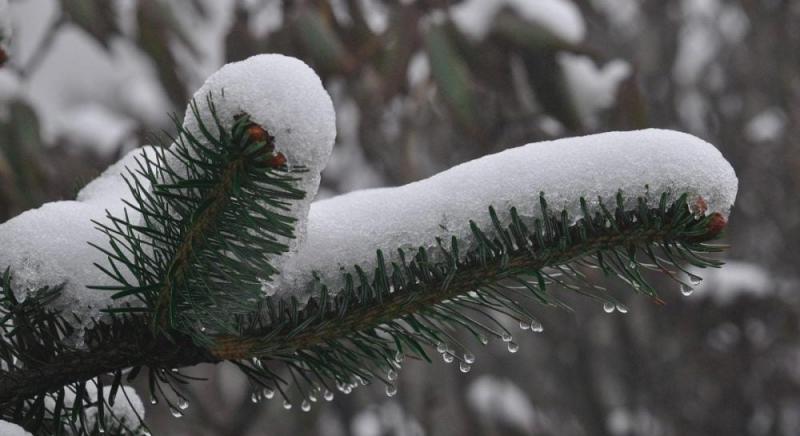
216,217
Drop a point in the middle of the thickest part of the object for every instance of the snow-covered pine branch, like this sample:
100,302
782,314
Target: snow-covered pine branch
210,250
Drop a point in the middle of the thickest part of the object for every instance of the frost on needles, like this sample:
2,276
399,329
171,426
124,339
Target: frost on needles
210,250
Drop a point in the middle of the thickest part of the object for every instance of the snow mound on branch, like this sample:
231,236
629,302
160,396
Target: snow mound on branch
285,97
347,230
10,429
49,246
281,94
559,17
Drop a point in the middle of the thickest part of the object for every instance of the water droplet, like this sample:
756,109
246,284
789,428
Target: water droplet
464,367
175,370
101,430
632,265
469,358
536,326
695,280
448,358
255,398
391,375
183,403
524,325
391,390
686,290
268,393
441,347
328,395
609,307
312,397
175,412
507,337
202,329
513,347
483,339
305,406
287,405
621,308
398,358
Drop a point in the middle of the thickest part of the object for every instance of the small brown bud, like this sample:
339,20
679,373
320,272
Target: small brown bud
277,160
257,134
716,224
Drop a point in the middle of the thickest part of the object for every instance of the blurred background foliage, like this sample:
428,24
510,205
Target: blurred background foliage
422,85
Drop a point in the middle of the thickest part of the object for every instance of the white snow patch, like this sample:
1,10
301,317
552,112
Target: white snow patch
499,400
127,409
51,244
768,125
347,230
11,429
559,17
109,191
736,279
592,88
624,15
388,418
419,70
95,127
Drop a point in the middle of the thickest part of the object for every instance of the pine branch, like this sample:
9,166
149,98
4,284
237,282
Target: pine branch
218,216
325,338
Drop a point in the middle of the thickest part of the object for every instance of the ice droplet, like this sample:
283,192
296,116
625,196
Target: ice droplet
507,337
441,347
398,358
328,395
391,390
255,398
686,290
524,325
513,347
153,400
536,326
464,367
183,403
621,308
175,412
609,307
448,358
268,393
695,280
287,405
391,375
483,339
305,406
469,358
